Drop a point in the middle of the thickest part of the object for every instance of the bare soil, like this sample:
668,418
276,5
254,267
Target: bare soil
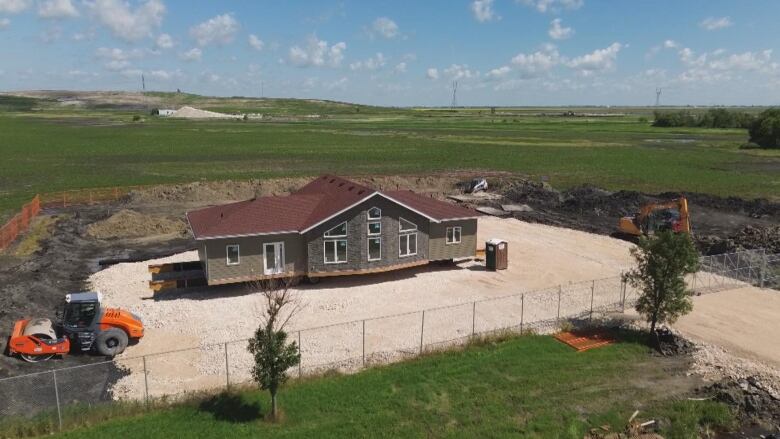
131,224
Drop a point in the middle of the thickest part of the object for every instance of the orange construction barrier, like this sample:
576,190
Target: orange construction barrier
19,223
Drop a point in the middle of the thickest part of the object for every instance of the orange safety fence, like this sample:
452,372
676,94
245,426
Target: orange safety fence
86,196
19,223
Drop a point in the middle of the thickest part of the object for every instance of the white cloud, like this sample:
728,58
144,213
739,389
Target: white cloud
716,23
339,84
193,54
83,36
743,61
165,41
498,73
460,71
537,63
14,6
4,23
384,27
400,67
317,53
483,10
597,61
671,44
219,29
165,75
57,9
372,63
256,42
558,32
553,5
116,59
125,22
432,73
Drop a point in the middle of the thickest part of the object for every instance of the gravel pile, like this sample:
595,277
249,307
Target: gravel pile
194,113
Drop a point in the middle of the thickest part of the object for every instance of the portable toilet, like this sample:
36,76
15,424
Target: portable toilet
496,254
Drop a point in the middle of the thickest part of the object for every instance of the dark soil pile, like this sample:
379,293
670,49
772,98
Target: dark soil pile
752,400
670,344
748,238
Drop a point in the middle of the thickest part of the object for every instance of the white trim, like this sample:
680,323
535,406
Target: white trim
338,213
368,249
281,258
346,231
246,235
447,235
227,254
368,227
400,230
416,244
335,251
368,214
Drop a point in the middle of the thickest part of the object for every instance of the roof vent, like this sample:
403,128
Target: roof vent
332,180
341,184
350,188
222,214
360,192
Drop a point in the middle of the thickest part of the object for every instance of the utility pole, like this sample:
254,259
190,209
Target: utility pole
658,96
143,83
454,94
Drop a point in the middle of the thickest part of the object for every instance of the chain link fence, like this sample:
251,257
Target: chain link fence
57,397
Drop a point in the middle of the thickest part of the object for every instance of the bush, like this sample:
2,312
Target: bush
712,118
765,129
137,118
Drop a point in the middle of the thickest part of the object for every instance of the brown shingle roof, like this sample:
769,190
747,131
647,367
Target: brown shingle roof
312,204
431,207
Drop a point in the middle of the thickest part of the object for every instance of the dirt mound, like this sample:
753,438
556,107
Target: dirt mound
131,224
748,238
753,400
205,192
671,344
194,113
532,192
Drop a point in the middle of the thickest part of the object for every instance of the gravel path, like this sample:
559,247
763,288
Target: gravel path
540,257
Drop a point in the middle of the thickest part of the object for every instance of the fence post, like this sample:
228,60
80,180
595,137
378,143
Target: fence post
522,312
57,397
227,368
560,287
474,319
592,292
422,331
763,267
146,382
623,295
300,351
364,343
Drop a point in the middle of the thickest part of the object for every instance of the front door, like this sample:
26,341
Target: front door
273,258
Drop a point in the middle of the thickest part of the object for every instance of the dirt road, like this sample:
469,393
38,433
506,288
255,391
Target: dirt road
745,322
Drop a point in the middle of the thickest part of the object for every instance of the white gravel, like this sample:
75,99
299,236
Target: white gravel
540,257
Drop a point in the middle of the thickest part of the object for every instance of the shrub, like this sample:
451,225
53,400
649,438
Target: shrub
765,129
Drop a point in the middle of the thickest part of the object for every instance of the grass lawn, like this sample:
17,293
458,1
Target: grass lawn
530,386
48,148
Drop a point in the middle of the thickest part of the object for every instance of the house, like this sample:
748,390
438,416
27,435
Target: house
163,112
329,227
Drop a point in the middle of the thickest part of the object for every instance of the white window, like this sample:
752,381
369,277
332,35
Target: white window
335,251
337,232
374,249
233,256
406,226
374,213
375,228
453,235
407,245
273,258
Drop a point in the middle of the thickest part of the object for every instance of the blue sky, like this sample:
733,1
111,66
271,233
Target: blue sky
501,52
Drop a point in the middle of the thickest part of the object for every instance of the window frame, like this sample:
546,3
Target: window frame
416,245
368,248
335,251
227,254
371,218
447,235
402,230
368,228
346,231
282,258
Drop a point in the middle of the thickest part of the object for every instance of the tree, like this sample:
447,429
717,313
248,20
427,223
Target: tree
272,354
662,263
765,129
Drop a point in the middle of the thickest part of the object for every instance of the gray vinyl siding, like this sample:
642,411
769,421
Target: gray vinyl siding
357,238
251,256
440,250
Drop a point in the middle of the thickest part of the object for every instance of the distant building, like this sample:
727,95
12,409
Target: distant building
163,112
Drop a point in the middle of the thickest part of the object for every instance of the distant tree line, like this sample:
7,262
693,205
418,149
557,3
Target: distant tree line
712,118
764,129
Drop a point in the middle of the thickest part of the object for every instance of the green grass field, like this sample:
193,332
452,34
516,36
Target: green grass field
530,386
46,147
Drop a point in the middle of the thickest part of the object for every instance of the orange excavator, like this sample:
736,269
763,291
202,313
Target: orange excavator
654,217
82,323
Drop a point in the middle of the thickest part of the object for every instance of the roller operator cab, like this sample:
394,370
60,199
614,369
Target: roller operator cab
82,324
90,326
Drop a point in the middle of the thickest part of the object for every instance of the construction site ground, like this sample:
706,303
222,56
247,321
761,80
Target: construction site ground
541,255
